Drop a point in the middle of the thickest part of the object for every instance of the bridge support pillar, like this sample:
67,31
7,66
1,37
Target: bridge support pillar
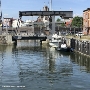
9,39
15,42
53,24
41,42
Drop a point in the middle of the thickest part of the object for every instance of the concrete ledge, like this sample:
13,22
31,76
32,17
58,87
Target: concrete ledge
6,40
82,53
83,38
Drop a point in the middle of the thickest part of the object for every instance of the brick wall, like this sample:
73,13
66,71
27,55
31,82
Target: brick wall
86,21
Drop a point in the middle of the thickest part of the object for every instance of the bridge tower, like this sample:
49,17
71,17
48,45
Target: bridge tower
52,19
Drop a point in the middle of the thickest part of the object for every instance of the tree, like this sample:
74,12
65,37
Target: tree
58,20
77,21
63,24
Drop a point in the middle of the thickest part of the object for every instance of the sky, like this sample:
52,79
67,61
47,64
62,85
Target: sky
11,8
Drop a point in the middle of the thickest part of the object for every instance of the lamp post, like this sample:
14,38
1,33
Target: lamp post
74,30
70,30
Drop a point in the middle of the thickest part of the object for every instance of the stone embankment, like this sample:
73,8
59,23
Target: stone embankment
6,40
3,40
80,44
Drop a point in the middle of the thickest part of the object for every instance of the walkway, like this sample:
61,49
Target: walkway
83,38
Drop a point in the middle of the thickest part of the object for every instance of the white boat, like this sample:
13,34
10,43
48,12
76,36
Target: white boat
55,40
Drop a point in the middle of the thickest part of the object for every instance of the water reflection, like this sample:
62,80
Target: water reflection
82,61
41,61
41,67
1,63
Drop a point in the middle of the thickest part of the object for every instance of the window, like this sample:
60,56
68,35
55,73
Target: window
86,24
86,16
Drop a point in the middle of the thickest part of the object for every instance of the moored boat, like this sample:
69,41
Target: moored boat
55,40
62,46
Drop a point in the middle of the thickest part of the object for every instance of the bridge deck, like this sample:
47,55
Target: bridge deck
64,14
43,38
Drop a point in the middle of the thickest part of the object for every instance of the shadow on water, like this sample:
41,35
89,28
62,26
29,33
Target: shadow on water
82,60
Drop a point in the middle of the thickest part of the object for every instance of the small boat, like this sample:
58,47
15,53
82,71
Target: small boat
63,47
55,40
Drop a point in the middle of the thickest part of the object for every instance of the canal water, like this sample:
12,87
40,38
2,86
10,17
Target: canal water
29,66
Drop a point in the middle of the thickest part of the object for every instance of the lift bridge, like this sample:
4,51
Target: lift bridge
63,14
52,14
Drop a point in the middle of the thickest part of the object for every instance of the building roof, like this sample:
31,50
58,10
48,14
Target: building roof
14,19
8,18
86,9
46,6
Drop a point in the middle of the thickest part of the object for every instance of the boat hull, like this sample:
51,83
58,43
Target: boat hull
53,44
67,49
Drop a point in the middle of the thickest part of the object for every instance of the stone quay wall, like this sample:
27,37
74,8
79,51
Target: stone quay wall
6,40
3,40
81,46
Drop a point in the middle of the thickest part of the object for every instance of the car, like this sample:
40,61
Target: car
79,34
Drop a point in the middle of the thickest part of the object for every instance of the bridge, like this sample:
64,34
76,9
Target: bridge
27,37
52,14
63,14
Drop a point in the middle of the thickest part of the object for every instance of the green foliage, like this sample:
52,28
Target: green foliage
77,21
63,24
58,20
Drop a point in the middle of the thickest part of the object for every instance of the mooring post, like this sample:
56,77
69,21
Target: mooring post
89,48
15,42
41,42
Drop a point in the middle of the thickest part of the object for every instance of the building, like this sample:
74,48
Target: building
17,23
68,22
7,22
29,22
86,21
10,22
43,18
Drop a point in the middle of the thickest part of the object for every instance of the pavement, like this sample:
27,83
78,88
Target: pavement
82,38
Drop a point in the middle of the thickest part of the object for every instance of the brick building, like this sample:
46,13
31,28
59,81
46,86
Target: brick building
86,21
68,22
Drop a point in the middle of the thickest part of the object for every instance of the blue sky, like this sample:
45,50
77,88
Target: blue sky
11,8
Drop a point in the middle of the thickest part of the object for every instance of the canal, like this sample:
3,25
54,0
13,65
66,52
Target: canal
29,66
